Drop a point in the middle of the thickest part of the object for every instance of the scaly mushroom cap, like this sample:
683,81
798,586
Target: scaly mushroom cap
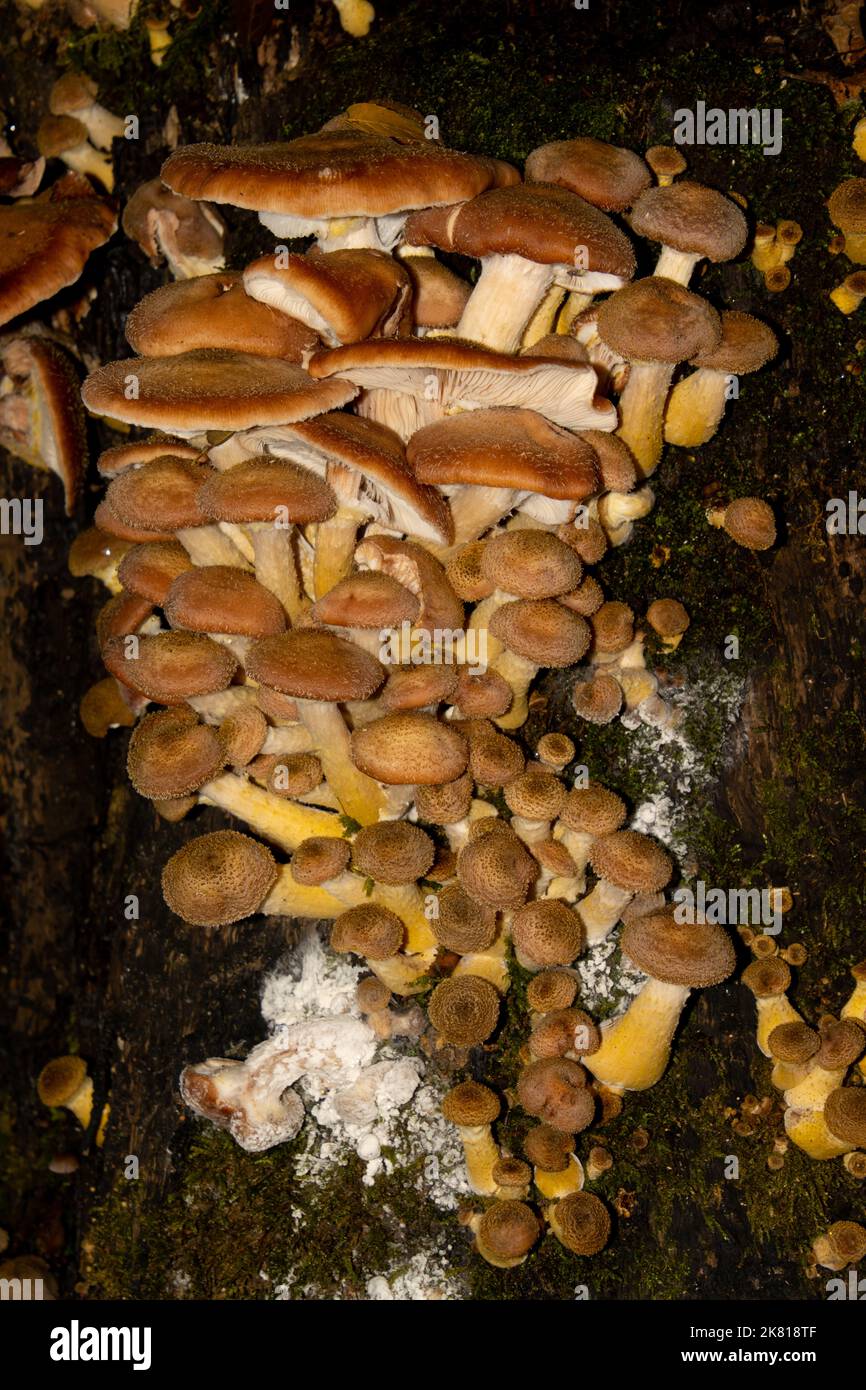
505,449
60,1078
122,614
556,750
507,1231
466,574
120,457
746,345
542,631
469,1104
320,858
439,296
170,667
293,775
95,552
554,1089
401,749
598,700
612,627
548,1148
241,735
691,218
594,809
511,1173
847,206
667,617
550,990
632,861
210,389
218,879
616,462
564,1030
485,696
536,794
372,996
845,1115
414,687
605,175
581,1222
530,564
750,522
766,978
313,665
347,295
554,858
151,568
548,932
220,598
462,924
793,1042
368,930
263,488
693,954
45,242
538,221
842,1042
497,869
367,599
393,852
464,1010
444,803
657,320
214,311
589,539
159,496
171,754
494,759
344,170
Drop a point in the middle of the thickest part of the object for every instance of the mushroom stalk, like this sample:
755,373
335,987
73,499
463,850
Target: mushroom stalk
809,1131
276,568
335,550
474,510
773,1009
601,909
482,1155
284,823
635,1047
207,545
360,797
290,899
618,510
695,408
676,265
503,301
642,406
520,673
491,964
555,1185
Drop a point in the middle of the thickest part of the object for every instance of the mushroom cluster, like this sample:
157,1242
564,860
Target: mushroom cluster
358,515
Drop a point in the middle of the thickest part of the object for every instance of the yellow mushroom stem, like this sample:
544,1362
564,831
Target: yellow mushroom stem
360,797
642,406
695,408
557,1185
765,251
275,566
482,1155
812,1091
618,511
773,1009
602,908
636,1046
855,1005
542,322
335,549
290,899
491,964
403,974
808,1130
284,823
850,294
519,673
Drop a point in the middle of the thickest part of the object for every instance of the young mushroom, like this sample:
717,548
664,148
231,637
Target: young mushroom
64,137
696,405
769,981
556,1171
626,863
839,1128
64,1083
580,1222
505,1233
847,208
842,1245
693,223
473,1108
748,521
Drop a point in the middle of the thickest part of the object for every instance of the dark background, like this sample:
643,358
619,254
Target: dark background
139,998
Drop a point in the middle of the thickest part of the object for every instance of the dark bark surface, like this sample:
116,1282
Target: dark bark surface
139,996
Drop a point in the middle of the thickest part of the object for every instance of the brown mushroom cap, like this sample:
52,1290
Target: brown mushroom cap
746,345
264,488
612,627
551,989
511,1173
538,221
122,614
556,750
213,311
170,667
313,665
466,575
693,954
842,1042
120,457
667,617
605,175
632,861
372,996
691,218
509,448
242,734
554,1089
414,687
588,540
60,1078
581,1222
414,747
469,1104
171,754
439,296
847,206
536,793
508,1230
45,242
594,809
616,463
320,858
750,522
159,496
766,978
210,389
494,759
462,924
393,852
666,161
349,295
218,879
549,1149
532,564
542,631
598,700
367,599
464,1010
220,598
845,1115
497,868
368,930
151,568
564,1030
293,775
548,932
793,1042
444,803
657,320
485,696
848,1241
